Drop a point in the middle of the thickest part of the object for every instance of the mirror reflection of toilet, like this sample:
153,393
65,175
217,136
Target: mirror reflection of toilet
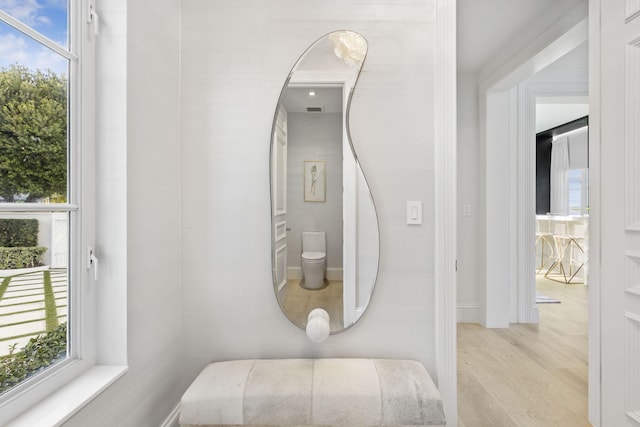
314,259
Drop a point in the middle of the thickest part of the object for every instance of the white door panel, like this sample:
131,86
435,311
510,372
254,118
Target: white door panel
279,200
619,214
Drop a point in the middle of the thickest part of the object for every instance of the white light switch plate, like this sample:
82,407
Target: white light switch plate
414,212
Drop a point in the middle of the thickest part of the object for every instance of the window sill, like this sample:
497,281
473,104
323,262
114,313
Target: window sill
62,404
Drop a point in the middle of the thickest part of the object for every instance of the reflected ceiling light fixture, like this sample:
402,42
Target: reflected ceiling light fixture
349,46
312,93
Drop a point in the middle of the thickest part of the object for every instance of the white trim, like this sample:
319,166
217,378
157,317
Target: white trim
38,207
595,327
294,273
526,201
67,401
335,274
445,162
513,207
173,419
301,78
633,317
632,12
280,147
632,134
278,255
279,231
525,286
468,313
632,365
632,272
635,290
635,416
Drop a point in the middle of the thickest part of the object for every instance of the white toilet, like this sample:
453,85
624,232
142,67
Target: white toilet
314,259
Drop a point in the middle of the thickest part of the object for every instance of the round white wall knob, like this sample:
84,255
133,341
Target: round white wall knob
318,325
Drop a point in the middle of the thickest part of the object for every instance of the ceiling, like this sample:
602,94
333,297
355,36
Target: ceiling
550,115
485,27
298,99
552,111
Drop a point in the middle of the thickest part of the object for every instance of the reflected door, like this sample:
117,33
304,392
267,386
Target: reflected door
279,184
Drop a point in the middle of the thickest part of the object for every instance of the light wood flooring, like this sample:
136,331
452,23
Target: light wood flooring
300,302
527,375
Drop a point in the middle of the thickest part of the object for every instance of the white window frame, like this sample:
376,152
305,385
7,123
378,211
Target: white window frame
53,396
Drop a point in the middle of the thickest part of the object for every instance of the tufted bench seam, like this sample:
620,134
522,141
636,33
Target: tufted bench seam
375,365
244,390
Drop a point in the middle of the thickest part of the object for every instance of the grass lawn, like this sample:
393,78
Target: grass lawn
30,305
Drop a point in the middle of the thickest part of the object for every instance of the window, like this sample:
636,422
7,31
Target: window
578,191
45,224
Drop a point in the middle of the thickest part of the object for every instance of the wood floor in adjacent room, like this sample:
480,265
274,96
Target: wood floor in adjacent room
301,301
527,375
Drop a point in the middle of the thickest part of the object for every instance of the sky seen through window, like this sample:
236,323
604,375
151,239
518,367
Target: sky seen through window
48,17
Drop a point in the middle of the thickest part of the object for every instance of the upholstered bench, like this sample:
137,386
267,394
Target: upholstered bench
297,392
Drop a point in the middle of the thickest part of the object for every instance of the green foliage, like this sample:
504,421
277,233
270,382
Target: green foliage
39,353
33,133
11,258
16,232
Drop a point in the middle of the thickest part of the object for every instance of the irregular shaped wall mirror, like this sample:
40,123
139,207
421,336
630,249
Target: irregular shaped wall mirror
325,240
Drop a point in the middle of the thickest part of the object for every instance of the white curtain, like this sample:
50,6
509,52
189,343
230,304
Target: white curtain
559,175
579,148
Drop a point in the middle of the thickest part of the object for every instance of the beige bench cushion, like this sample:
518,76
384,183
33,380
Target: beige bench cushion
355,392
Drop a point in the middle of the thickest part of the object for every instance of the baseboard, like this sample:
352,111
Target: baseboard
173,420
468,314
294,273
334,274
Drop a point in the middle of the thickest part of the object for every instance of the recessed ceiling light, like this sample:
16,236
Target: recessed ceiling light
312,93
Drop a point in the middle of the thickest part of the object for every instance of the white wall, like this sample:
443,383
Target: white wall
469,226
314,136
139,209
235,58
197,196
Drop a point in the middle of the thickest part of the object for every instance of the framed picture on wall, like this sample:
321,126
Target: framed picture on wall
315,178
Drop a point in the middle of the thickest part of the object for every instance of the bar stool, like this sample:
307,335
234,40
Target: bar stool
570,254
544,239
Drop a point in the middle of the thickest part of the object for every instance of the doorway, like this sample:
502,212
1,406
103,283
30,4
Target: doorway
511,181
562,204
508,112
534,356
